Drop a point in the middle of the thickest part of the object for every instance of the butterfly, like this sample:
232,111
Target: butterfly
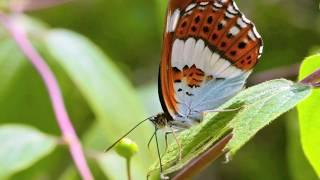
209,50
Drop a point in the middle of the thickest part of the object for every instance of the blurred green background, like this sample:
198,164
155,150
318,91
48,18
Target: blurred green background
106,103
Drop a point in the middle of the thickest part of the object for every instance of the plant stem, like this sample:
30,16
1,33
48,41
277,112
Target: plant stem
69,135
204,160
313,79
290,71
128,168
31,5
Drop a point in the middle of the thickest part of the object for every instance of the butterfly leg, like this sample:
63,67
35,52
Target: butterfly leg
162,176
151,138
178,142
166,140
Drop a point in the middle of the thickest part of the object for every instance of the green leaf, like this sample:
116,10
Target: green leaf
259,106
11,61
109,94
21,147
298,165
309,116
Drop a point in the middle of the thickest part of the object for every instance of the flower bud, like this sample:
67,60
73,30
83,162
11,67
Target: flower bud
126,148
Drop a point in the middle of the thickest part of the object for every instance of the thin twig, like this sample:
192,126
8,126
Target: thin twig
69,135
287,72
204,160
313,79
128,168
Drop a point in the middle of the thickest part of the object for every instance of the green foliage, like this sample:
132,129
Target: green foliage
22,146
299,167
86,75
259,105
107,92
8,69
102,102
309,116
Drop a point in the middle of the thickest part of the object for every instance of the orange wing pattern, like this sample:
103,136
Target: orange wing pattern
225,32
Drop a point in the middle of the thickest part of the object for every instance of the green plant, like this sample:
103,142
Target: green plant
102,104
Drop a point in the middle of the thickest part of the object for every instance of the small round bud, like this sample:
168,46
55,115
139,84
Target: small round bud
126,148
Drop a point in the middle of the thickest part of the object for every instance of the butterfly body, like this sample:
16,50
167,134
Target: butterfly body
209,50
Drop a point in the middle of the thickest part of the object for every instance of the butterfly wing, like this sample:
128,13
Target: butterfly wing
209,50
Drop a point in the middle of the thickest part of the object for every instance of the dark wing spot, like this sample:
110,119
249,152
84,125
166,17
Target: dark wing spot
229,36
179,90
220,26
249,57
197,19
206,29
219,78
209,20
226,17
214,36
194,29
233,53
242,45
210,77
175,69
223,44
177,81
189,94
184,24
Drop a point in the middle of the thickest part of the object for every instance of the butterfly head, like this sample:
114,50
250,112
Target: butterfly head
160,121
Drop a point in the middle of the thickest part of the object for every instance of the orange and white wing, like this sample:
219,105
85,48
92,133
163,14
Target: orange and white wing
209,50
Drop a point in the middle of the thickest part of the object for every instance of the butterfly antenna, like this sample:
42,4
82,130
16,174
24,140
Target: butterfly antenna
126,134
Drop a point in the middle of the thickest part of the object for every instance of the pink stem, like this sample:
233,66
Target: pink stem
31,5
68,132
